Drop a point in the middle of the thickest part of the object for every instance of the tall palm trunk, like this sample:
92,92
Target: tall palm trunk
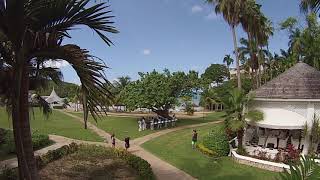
237,56
21,124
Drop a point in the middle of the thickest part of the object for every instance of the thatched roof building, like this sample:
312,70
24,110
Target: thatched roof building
299,82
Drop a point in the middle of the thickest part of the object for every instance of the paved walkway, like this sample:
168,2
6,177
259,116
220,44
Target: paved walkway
161,169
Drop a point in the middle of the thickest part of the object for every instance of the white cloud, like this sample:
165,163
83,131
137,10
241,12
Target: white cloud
212,16
146,52
56,64
196,9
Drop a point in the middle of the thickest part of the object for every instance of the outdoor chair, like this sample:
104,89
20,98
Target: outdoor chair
261,141
272,140
283,143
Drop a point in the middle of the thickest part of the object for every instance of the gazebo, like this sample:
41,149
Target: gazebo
288,102
54,100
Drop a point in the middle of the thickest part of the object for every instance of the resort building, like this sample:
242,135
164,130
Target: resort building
54,100
289,103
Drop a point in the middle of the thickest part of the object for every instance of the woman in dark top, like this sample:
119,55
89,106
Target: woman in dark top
194,138
113,140
127,143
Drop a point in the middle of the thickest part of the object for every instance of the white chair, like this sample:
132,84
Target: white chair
261,141
283,143
272,140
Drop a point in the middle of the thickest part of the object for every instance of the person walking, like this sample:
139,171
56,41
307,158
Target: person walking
127,143
194,138
113,140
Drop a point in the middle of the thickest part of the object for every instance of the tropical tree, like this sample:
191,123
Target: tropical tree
231,11
310,5
158,91
34,31
228,60
236,107
306,169
215,73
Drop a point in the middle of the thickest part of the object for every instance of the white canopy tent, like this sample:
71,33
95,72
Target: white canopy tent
54,98
280,119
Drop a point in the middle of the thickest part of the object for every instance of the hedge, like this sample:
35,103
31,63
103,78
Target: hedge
7,145
217,142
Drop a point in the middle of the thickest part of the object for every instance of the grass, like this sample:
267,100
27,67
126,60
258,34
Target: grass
175,148
128,126
57,123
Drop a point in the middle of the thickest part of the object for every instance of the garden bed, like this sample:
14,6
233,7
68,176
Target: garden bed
89,162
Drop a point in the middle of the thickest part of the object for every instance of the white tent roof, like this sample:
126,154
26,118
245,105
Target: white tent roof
53,97
281,119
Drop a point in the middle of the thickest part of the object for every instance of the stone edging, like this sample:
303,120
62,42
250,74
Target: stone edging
267,165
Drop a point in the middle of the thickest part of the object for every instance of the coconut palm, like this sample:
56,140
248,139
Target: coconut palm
307,5
35,30
228,60
306,169
231,11
236,105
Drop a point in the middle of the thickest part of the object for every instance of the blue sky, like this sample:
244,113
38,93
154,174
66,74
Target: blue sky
173,34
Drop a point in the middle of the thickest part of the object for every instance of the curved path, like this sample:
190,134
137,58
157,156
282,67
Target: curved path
161,169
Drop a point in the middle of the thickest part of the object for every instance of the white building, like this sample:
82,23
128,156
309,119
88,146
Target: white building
54,100
288,102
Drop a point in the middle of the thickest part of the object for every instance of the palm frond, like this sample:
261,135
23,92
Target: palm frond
60,16
255,115
90,72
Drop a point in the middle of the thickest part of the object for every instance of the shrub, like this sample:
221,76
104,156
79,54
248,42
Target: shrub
217,141
143,167
56,154
7,144
242,151
205,150
8,174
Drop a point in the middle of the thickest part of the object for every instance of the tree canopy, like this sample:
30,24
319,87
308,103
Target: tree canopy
215,73
159,91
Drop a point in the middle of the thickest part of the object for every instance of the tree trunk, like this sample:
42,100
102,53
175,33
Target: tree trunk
163,113
240,138
21,124
237,56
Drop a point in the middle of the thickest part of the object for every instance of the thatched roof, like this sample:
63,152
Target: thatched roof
299,82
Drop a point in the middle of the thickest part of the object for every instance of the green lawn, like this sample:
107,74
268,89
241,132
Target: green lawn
128,126
175,148
57,123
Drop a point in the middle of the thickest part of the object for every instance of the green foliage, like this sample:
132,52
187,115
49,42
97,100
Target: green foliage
242,151
255,115
142,166
217,142
305,169
205,150
63,89
8,174
158,91
56,154
215,73
189,108
7,145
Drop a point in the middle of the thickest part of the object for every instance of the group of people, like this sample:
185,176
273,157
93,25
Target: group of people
142,124
126,141
156,122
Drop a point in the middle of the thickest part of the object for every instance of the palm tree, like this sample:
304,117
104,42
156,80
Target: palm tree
231,11
307,168
236,105
310,5
35,30
228,60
